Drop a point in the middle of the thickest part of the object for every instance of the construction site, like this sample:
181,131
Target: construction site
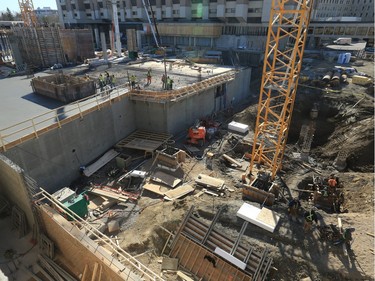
133,167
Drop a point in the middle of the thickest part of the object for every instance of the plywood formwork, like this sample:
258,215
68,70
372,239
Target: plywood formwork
194,246
64,88
40,47
184,92
78,44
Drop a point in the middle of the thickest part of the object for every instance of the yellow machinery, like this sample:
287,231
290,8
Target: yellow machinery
27,13
287,32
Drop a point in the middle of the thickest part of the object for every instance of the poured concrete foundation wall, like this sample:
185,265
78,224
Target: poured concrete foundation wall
54,158
13,187
75,248
176,116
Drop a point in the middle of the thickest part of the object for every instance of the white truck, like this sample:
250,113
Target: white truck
343,41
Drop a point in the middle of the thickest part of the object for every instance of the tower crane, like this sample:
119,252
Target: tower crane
27,13
288,26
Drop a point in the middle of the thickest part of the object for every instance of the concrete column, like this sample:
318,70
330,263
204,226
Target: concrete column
97,38
104,45
139,39
111,41
117,29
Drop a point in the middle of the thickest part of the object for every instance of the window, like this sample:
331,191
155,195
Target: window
100,4
176,12
87,6
230,10
88,15
73,6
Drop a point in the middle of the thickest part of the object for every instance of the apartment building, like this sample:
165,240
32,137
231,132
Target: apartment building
214,24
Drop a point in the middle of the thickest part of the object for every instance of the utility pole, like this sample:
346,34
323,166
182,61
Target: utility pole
117,29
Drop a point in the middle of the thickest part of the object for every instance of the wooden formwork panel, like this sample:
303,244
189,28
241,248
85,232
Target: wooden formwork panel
205,236
205,264
152,137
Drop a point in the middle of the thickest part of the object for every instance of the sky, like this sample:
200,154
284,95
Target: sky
13,4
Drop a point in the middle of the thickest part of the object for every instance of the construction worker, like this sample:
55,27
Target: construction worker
293,208
101,82
113,81
310,217
107,78
149,76
132,80
164,81
169,83
332,181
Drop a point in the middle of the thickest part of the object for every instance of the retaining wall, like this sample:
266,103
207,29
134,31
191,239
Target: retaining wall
54,158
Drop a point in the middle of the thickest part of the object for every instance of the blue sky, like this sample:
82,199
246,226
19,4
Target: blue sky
13,4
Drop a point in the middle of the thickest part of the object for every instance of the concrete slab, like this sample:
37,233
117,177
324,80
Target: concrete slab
262,217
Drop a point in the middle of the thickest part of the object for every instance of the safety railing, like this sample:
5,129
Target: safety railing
32,128
127,260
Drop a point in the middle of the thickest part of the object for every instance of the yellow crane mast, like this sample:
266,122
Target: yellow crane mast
27,13
287,32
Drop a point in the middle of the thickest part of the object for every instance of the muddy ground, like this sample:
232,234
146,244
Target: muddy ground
345,123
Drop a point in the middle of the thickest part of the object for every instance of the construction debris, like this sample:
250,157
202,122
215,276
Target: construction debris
164,178
178,192
210,182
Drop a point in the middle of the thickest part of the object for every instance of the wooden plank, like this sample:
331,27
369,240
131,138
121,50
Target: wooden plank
95,272
232,161
210,182
142,144
183,276
155,188
84,274
165,178
108,156
178,192
118,197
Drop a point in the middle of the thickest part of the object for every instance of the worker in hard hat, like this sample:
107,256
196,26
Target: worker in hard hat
310,217
294,206
133,78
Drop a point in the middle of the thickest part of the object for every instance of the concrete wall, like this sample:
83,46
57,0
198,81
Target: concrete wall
54,158
76,250
174,117
13,187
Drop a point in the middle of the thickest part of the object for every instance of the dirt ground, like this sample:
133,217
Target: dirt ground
345,123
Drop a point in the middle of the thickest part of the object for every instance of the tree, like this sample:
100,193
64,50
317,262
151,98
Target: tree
8,15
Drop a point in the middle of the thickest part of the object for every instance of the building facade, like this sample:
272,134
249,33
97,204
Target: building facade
239,25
